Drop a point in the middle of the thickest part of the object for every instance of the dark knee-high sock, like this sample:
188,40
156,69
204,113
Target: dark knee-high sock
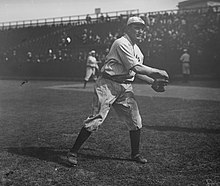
82,137
135,141
85,82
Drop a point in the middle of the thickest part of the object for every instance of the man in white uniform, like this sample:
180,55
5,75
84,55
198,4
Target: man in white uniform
113,88
185,60
91,67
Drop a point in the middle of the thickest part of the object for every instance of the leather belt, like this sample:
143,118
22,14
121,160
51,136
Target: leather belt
114,78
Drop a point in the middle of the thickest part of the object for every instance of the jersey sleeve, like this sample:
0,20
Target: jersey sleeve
126,53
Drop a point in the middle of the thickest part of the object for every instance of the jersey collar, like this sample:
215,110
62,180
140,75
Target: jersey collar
129,39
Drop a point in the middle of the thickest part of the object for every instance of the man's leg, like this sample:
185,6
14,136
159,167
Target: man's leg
102,100
82,137
127,108
94,76
135,145
85,82
87,76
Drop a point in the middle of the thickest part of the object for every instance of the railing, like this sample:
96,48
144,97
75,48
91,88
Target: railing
78,19
216,9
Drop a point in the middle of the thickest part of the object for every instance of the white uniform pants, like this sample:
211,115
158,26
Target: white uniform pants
90,72
121,97
186,68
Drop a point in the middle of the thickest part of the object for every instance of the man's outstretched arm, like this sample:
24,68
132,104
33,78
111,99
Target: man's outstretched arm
149,71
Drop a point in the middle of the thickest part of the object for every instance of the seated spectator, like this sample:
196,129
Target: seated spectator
97,39
88,19
5,57
29,57
101,18
60,55
38,58
107,18
85,36
90,37
14,56
109,39
49,55
81,57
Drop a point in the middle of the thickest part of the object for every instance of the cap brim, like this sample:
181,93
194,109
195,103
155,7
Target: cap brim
137,23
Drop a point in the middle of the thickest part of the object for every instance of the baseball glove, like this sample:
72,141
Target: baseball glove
159,85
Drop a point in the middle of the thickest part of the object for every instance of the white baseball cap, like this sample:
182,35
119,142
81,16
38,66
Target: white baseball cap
135,19
92,52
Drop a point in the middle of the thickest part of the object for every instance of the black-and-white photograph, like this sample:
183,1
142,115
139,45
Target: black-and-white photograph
110,93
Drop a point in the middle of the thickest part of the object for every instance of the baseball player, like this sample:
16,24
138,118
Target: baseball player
185,60
113,88
91,67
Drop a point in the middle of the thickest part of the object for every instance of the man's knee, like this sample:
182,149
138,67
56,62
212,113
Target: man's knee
133,127
92,123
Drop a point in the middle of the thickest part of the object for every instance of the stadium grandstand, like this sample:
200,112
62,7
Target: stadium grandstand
57,48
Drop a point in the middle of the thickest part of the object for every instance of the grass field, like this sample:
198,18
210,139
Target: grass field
180,138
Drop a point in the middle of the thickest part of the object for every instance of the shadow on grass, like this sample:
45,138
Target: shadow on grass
184,129
50,154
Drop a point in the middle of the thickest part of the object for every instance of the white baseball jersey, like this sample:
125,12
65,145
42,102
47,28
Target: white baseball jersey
185,58
122,57
91,61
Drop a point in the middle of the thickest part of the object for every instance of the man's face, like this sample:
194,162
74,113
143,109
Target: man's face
135,32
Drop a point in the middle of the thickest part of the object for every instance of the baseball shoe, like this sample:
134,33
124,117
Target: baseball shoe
72,158
139,159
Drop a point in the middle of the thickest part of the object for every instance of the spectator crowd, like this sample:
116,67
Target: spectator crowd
166,35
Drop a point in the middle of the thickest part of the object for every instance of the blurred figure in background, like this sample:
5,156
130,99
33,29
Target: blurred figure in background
185,60
91,67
